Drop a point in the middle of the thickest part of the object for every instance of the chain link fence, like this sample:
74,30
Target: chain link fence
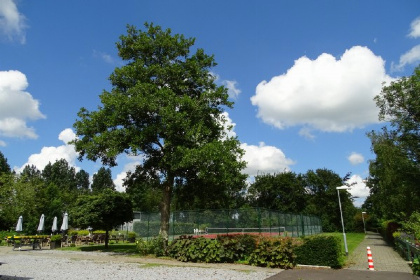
250,220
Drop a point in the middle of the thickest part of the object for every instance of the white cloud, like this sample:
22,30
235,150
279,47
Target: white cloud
265,159
415,28
324,94
104,56
356,158
12,23
17,106
358,190
233,91
52,154
229,124
2,143
130,166
410,57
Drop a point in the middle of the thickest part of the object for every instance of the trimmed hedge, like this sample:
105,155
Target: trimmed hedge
320,250
247,249
276,252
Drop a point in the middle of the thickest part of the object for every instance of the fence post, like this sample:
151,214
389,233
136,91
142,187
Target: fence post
303,225
148,232
259,218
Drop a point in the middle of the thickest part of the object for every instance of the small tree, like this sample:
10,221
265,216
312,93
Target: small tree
105,210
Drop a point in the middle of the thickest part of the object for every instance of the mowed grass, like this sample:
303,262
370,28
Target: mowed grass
353,239
124,248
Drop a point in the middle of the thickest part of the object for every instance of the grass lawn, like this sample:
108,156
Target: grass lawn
128,248
353,239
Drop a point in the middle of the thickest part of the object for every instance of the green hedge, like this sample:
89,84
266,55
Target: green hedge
320,250
247,249
274,253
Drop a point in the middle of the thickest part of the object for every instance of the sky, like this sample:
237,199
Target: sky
302,74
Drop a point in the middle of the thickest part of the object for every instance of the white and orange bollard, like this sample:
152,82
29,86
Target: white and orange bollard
370,259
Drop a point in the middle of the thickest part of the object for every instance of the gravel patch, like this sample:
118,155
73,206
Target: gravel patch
53,264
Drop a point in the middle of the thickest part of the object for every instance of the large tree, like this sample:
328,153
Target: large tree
321,185
164,105
395,172
284,192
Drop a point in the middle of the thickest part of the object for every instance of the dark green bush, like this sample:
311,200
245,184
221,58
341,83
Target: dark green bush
416,267
274,252
154,246
320,250
388,228
189,249
236,247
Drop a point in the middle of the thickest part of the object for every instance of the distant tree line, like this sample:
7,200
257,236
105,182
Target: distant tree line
59,188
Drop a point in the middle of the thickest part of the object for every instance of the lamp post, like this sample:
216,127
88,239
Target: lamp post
363,218
341,212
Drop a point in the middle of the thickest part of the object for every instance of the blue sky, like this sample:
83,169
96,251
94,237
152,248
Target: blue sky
302,74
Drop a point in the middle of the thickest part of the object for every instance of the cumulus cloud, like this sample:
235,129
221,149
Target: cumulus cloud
130,166
12,23
356,158
229,125
410,57
326,94
52,154
232,87
17,106
415,28
265,159
358,190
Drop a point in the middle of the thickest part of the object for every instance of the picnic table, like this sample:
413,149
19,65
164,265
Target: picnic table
33,241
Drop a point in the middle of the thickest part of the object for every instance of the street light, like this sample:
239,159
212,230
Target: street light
341,212
363,218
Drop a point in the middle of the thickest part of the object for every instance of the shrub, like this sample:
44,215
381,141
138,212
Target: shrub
236,247
189,249
412,225
56,237
274,252
154,246
388,228
416,267
320,250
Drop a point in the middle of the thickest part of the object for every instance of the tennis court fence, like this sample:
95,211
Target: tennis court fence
228,221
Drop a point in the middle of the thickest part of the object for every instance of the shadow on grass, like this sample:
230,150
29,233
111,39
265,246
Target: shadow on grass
113,248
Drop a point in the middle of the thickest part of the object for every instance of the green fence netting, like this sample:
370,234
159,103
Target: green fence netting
250,220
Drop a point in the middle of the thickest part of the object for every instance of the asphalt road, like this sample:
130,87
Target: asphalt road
341,274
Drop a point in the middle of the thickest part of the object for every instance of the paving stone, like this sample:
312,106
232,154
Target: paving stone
385,258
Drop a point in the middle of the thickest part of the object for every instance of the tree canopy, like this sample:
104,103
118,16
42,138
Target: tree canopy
102,180
104,210
395,172
164,105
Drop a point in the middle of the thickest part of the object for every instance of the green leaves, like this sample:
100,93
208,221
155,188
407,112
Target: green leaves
320,250
395,172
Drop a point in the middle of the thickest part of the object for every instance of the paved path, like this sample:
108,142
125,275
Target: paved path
387,262
385,258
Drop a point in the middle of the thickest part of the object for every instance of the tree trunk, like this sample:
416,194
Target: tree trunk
106,239
165,209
